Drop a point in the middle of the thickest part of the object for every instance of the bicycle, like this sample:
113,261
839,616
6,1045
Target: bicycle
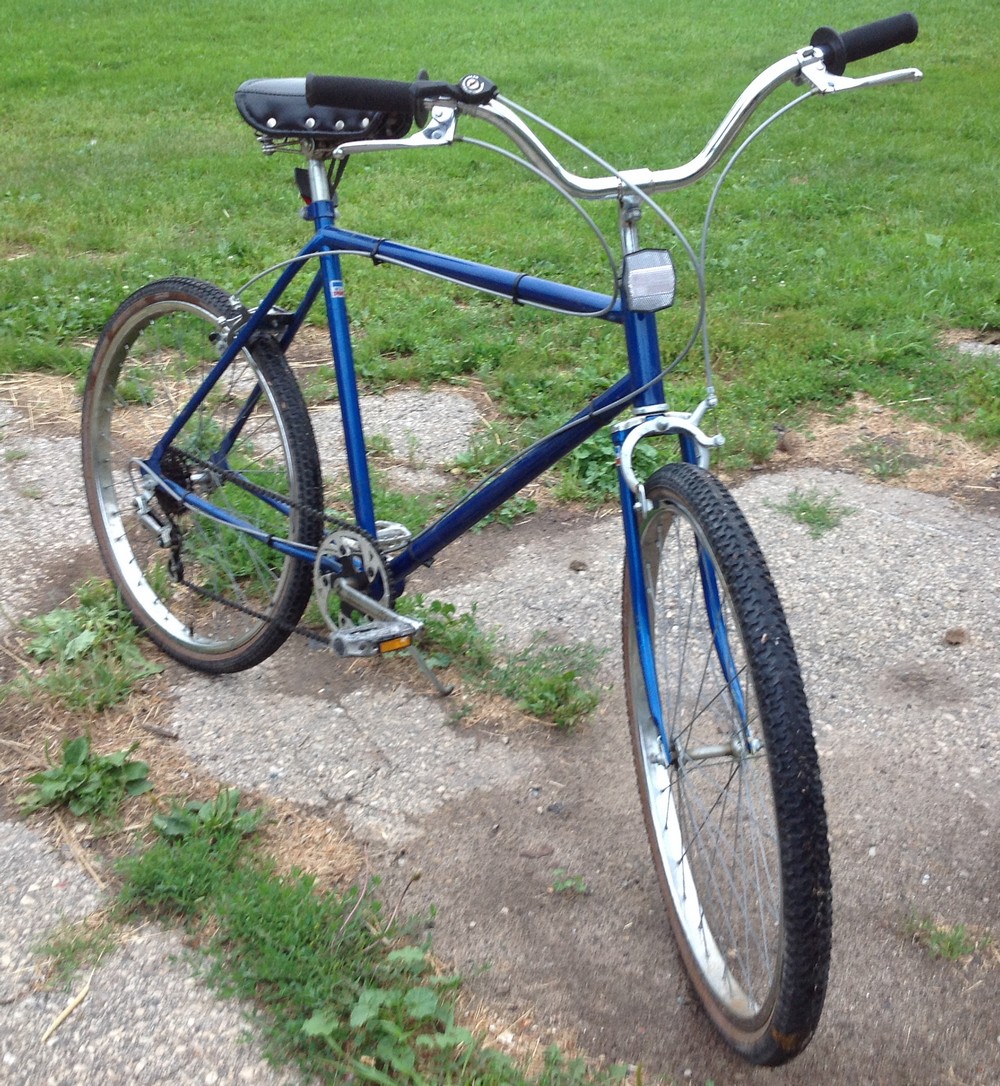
204,486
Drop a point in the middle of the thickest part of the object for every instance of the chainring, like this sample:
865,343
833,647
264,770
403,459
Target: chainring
357,551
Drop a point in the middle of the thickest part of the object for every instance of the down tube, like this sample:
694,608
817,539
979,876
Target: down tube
527,467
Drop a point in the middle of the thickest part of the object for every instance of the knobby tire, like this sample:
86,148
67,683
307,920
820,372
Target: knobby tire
736,821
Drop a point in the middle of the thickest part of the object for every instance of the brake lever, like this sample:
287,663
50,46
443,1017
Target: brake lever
814,71
439,131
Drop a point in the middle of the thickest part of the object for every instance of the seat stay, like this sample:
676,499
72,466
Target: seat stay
240,334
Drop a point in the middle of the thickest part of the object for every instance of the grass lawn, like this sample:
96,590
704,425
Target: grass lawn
853,235
849,240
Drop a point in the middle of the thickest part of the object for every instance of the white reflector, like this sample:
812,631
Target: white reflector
648,280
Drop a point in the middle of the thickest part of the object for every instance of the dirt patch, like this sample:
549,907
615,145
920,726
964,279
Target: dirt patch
46,403
881,442
31,738
966,338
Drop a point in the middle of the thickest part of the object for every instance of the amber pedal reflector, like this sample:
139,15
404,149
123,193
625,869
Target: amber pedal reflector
395,643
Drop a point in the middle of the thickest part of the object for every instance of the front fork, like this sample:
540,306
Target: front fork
696,447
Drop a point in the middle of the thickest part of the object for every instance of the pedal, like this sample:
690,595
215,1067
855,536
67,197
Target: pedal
392,537
375,638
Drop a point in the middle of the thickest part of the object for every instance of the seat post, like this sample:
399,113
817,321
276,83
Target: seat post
319,185
322,209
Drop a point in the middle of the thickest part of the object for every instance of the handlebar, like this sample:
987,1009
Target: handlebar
821,64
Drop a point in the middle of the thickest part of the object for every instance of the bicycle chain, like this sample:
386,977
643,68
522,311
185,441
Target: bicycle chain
330,521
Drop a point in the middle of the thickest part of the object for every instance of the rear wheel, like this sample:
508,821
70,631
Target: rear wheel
732,798
214,597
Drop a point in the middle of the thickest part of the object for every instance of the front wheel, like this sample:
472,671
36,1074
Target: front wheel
729,777
212,595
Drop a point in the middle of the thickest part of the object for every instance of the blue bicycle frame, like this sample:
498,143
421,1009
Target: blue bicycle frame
713,688
642,387
327,245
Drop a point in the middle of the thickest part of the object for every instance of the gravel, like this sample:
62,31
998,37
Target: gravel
146,1017
894,616
41,499
385,757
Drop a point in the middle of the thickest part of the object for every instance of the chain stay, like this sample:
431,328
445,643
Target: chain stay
342,528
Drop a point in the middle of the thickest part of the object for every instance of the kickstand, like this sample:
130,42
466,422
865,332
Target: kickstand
444,689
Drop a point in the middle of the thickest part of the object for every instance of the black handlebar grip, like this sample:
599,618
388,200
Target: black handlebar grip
355,92
863,41
391,95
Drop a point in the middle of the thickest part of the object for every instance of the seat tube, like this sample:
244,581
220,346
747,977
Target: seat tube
321,211
347,390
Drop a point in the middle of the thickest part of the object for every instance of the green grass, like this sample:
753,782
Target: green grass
950,942
548,681
820,513
340,989
864,226
338,986
88,655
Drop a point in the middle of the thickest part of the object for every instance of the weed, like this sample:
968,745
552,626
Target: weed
545,680
452,637
818,512
515,509
339,989
318,386
74,946
489,449
198,852
32,493
207,817
565,883
88,784
587,473
953,942
886,458
378,445
413,457
91,651
13,456
401,1015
